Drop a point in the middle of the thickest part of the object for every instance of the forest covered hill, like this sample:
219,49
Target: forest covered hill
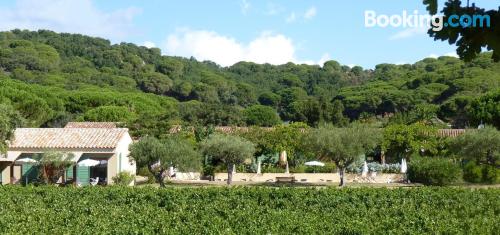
52,78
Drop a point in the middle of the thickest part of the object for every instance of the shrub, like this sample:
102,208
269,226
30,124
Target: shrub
299,169
473,173
491,174
208,170
123,178
434,171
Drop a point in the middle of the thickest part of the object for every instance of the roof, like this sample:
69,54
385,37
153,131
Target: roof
450,132
90,125
72,138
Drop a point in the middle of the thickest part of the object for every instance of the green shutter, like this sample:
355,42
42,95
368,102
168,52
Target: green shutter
69,173
29,173
83,175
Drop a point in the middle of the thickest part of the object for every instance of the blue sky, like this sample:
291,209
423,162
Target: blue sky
228,31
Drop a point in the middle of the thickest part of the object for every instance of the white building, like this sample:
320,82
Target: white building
98,141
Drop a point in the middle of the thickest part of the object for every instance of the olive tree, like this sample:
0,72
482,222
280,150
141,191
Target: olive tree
482,146
231,150
159,155
53,165
342,145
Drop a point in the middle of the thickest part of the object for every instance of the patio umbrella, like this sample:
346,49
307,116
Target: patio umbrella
88,162
258,167
287,170
27,160
364,173
404,167
314,163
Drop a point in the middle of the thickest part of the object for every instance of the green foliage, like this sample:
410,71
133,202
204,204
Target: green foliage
248,210
231,150
52,78
472,172
123,178
159,155
486,108
260,115
469,40
343,146
404,140
144,171
480,145
434,171
109,114
9,120
228,149
53,165
283,137
481,173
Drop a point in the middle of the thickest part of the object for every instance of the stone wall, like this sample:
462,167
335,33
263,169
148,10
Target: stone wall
312,177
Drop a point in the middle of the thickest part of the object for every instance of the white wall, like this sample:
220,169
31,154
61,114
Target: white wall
126,163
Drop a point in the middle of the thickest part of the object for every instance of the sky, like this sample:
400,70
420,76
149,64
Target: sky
229,31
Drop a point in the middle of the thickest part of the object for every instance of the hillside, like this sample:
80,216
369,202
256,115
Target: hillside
53,78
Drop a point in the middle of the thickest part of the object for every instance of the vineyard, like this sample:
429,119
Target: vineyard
248,210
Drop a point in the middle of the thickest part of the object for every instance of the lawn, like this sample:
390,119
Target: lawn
249,210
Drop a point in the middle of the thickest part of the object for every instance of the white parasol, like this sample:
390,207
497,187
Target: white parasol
314,163
88,163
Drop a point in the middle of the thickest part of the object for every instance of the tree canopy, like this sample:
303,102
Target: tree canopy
159,155
51,78
231,150
342,145
469,40
9,120
482,146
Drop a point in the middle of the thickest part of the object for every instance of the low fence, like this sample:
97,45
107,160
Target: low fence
312,177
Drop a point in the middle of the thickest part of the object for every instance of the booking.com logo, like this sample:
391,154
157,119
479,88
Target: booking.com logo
436,22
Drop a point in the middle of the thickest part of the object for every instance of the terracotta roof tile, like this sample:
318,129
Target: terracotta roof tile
90,125
67,137
450,132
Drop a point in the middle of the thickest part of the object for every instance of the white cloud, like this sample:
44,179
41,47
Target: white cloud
310,13
291,18
149,44
274,9
409,32
245,7
452,54
268,47
435,56
79,16
326,57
